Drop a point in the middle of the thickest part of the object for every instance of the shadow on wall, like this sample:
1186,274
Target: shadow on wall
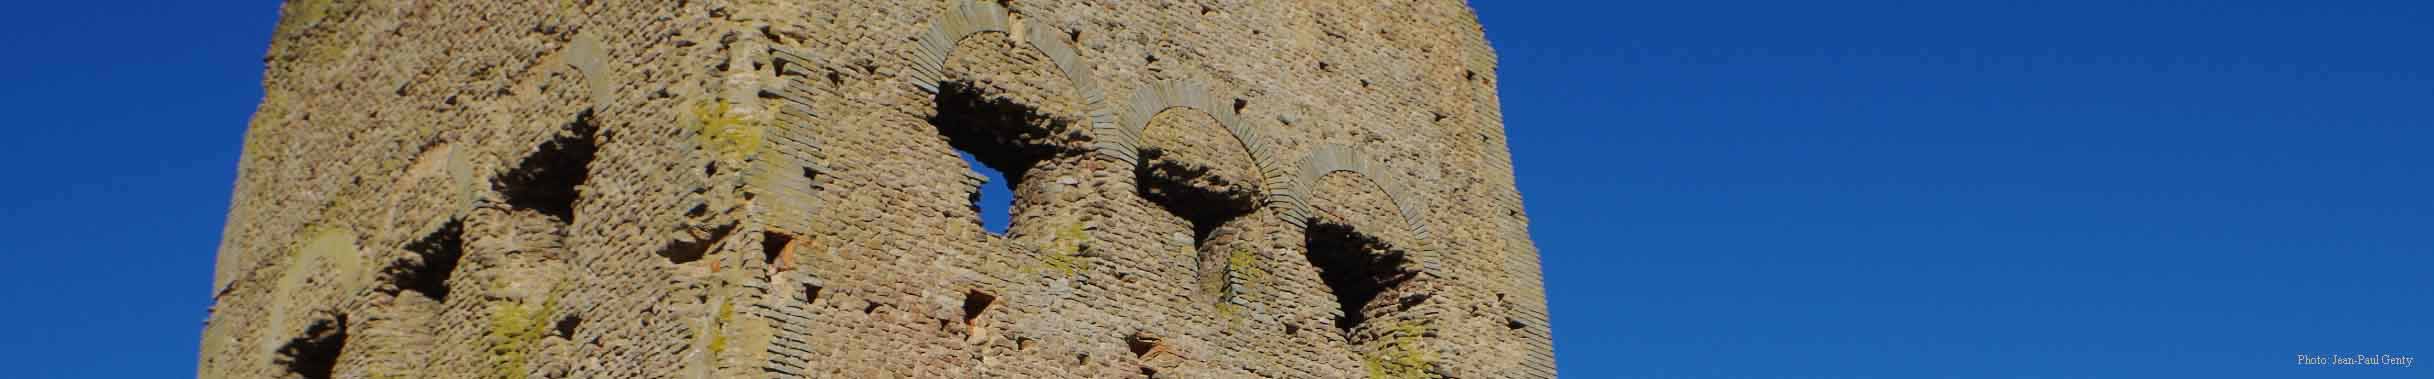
1356,267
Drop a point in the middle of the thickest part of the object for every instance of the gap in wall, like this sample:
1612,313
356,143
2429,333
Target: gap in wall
999,139
1355,267
315,354
436,260
546,181
995,200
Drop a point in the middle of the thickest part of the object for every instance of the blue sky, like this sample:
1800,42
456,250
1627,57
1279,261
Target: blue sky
1865,188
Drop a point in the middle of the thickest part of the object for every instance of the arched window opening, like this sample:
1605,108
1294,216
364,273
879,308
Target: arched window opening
547,180
1194,168
434,260
1196,193
1000,140
315,354
1357,269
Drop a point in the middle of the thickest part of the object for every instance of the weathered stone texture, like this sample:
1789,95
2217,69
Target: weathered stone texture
642,189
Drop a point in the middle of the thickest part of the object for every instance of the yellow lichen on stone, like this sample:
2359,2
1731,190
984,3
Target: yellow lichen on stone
1399,354
715,334
1061,263
716,127
509,339
726,315
1230,312
1241,270
1241,267
515,331
1064,252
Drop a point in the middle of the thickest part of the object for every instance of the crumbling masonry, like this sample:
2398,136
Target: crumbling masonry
771,188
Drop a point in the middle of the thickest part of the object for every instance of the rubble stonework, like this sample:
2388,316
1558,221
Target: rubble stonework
646,189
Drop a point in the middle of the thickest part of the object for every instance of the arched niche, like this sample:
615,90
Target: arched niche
969,116
964,18
1333,158
1382,281
1291,201
1149,101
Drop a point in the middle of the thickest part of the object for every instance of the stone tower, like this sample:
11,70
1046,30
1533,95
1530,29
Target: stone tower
759,188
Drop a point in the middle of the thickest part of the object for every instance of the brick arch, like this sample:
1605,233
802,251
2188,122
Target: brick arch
964,18
331,254
1292,200
1124,143
590,59
1334,158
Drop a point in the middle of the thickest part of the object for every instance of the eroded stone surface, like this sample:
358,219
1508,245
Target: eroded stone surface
645,189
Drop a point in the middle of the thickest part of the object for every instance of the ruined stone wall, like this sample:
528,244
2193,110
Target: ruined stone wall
645,189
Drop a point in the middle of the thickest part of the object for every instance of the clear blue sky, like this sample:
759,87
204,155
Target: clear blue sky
2122,189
